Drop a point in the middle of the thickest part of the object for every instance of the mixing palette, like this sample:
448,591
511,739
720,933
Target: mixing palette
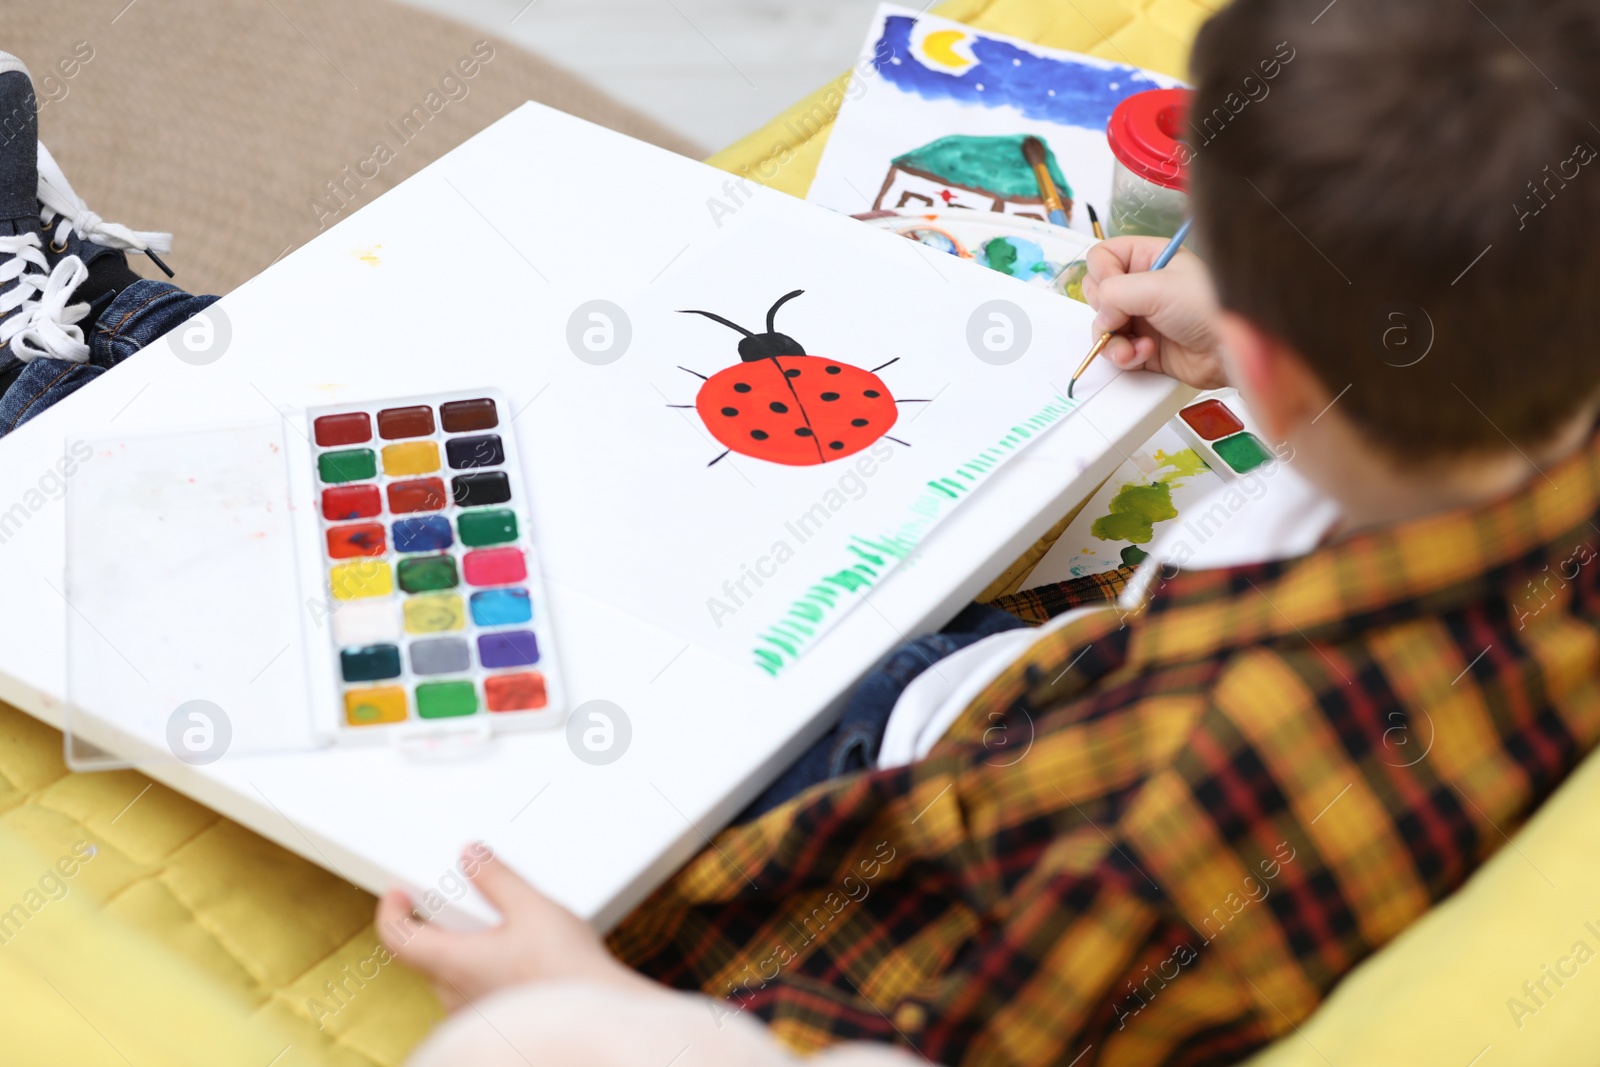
437,609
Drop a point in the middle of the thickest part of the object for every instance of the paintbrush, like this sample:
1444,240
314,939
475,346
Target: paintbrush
1033,152
1094,223
1161,261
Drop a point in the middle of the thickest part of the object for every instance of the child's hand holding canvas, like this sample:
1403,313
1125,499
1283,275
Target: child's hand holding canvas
537,941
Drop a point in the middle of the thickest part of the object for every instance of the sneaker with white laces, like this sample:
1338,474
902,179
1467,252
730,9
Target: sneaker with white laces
36,318
72,229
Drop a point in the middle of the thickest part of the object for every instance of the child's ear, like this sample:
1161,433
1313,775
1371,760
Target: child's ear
1277,386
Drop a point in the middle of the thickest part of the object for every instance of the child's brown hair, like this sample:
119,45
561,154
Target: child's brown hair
1412,202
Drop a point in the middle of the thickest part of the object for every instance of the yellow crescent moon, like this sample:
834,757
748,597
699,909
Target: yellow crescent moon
939,47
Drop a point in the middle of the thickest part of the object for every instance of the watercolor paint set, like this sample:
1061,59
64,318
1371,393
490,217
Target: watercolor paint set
351,573
436,607
1216,425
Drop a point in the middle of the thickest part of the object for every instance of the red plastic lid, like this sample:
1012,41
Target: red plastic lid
1143,132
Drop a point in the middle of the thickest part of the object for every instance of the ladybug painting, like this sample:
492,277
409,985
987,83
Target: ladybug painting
784,406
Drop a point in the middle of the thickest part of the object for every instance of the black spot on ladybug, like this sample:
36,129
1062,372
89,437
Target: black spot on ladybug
791,374
830,396
836,445
741,387
730,412
871,394
858,422
804,431
832,369
759,435
778,406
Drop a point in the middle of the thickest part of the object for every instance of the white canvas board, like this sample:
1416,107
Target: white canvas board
469,273
922,78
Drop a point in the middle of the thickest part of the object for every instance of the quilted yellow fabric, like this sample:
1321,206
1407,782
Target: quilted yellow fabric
138,927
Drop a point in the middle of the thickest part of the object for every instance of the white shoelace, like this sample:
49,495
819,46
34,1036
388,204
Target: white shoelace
63,208
35,318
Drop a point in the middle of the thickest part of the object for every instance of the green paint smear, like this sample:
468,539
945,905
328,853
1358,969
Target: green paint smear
1135,510
1002,255
1138,506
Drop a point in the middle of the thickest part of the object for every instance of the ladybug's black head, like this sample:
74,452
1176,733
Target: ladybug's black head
761,346
758,346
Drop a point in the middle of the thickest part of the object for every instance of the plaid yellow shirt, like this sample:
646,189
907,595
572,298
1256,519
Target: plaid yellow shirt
1164,839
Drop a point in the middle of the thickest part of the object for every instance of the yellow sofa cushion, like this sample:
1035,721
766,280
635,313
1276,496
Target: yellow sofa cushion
137,926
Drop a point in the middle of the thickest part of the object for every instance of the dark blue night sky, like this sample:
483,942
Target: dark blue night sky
1010,75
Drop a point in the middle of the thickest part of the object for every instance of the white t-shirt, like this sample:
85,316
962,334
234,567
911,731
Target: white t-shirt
1254,519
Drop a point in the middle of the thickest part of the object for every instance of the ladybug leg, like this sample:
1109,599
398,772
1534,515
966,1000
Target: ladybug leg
896,440
696,373
714,462
880,366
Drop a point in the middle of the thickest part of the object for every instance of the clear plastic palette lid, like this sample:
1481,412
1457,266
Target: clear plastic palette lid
186,615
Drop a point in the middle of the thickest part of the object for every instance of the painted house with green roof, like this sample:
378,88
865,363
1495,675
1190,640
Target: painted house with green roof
981,173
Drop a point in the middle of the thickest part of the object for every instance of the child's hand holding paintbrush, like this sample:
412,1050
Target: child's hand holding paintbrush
1163,320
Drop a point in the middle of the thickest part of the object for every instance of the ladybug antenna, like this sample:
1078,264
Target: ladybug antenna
725,322
758,346
772,313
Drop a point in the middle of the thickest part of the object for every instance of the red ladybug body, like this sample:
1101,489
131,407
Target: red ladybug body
784,406
796,410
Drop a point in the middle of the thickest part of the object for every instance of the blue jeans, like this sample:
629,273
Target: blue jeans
852,744
140,314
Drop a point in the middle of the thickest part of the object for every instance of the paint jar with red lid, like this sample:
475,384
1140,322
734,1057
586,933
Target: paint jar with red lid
1149,187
